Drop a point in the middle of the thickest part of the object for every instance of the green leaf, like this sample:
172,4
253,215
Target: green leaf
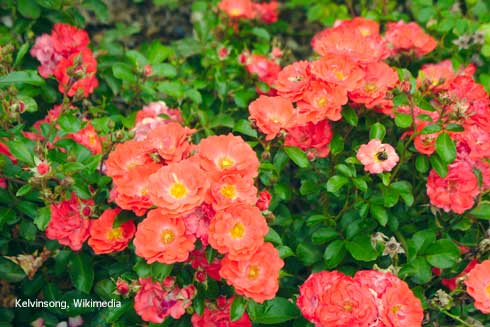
323,235
419,269
22,151
445,148
261,33
442,254
10,272
24,190
27,230
160,271
194,95
422,164
308,254
431,129
29,8
273,237
454,128
141,268
21,53
284,251
350,116
439,166
114,314
50,4
42,218
334,254
26,77
377,131
361,249
164,70
238,307
400,100
403,120
335,183
275,311
243,126
380,214
297,156
81,271
124,72
482,211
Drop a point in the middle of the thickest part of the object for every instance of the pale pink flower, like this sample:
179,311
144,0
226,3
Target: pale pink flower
43,50
377,157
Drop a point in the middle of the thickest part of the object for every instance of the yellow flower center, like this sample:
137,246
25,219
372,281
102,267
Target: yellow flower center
381,156
395,309
168,236
92,139
339,75
321,102
178,190
364,31
487,290
237,231
253,272
348,306
144,192
228,191
370,87
235,12
115,234
226,162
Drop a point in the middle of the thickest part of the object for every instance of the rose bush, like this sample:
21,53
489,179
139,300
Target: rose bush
295,163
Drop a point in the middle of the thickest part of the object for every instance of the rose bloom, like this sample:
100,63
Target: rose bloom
478,286
171,141
310,292
238,231
339,70
265,68
312,138
405,37
132,190
68,39
377,157
178,188
378,79
219,316
425,143
236,9
68,224
271,114
153,115
350,42
456,191
197,222
161,238
104,238
321,101
43,50
257,277
333,299
266,12
293,80
477,139
400,307
227,154
366,27
83,66
89,138
127,156
230,190
264,200
154,302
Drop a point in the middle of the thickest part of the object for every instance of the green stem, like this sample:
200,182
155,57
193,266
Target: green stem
456,318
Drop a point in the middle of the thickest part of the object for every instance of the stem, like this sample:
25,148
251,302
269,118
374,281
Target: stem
456,318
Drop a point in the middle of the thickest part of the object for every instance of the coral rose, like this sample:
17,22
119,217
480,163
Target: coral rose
68,39
83,66
456,191
69,225
226,155
179,187
405,37
238,231
271,114
377,157
237,9
265,68
400,307
339,70
127,156
171,141
312,138
293,80
230,190
161,238
257,277
104,238
89,138
478,286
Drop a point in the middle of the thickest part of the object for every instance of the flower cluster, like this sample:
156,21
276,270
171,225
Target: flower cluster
370,298
266,12
193,192
218,314
459,102
350,70
65,54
